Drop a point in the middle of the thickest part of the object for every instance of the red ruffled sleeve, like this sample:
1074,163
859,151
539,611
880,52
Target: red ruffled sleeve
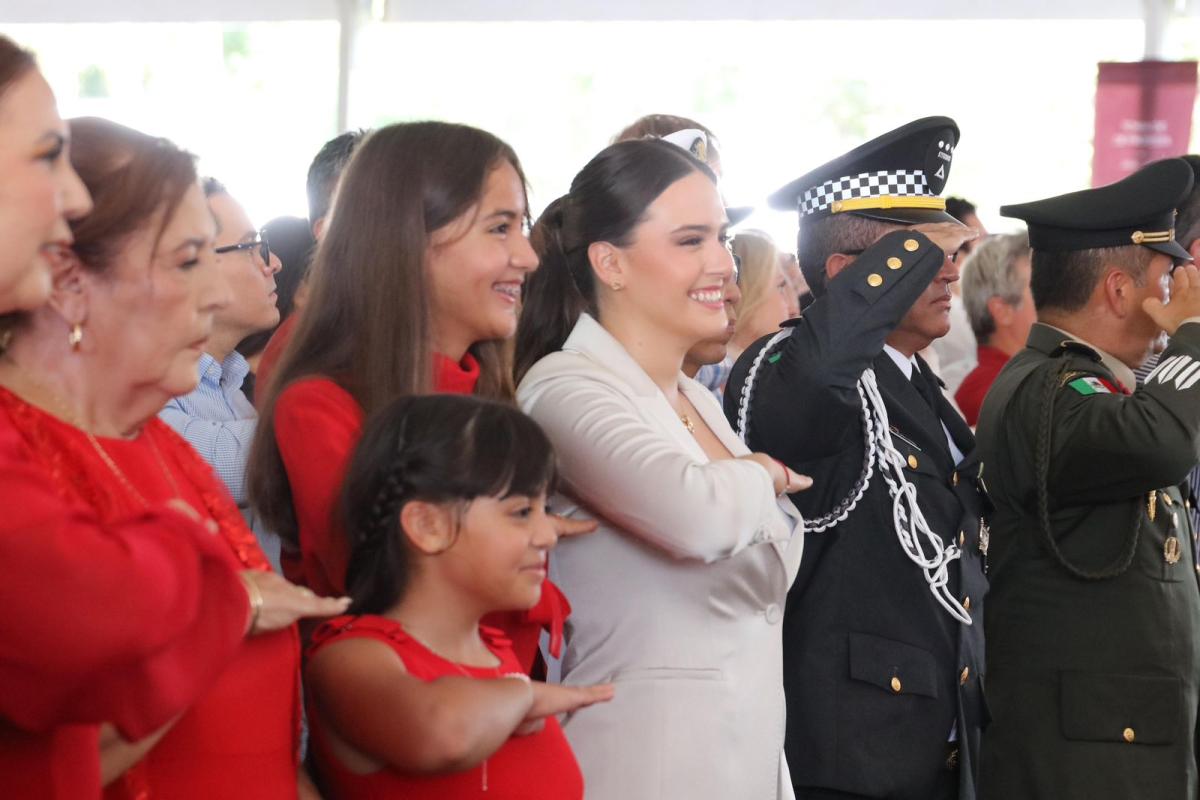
124,622
525,628
317,426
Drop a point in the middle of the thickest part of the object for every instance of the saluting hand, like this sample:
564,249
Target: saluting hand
1184,304
556,698
950,236
283,603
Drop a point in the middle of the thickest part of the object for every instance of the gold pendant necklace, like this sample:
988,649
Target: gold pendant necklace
687,423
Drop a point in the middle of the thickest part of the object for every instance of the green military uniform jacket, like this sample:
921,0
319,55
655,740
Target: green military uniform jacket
1093,617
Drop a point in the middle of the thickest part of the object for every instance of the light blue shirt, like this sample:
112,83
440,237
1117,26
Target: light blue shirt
219,422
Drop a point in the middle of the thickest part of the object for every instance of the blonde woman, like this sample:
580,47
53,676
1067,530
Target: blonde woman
768,299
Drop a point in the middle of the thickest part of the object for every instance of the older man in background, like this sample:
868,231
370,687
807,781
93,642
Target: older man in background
995,291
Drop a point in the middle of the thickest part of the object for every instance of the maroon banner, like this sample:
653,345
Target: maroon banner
1143,113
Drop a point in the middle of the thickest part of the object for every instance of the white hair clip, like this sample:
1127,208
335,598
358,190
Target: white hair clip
694,140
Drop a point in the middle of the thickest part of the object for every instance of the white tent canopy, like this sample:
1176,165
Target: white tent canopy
23,11
353,13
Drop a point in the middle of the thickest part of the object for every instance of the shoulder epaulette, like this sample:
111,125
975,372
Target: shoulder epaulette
1074,347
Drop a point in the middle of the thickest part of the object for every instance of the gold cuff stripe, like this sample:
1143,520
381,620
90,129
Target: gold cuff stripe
887,201
1152,237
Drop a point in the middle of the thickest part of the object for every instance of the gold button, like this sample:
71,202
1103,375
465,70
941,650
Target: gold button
966,604
1167,499
911,245
896,685
912,462
1128,734
875,279
837,206
964,676
962,538
954,479
894,263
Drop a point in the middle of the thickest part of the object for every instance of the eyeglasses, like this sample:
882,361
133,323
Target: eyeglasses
260,241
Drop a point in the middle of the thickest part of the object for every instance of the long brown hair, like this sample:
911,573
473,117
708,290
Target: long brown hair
366,324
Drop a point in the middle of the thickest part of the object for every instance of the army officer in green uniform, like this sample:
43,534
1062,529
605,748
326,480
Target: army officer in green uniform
1093,618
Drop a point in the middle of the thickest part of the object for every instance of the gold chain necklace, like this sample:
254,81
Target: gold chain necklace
120,474
65,411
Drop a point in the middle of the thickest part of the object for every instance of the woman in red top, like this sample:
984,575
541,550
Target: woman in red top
121,618
410,696
415,288
153,563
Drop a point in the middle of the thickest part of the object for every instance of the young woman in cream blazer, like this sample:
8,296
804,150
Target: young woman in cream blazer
678,597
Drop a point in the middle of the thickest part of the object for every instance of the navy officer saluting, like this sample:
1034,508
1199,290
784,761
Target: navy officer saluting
883,650
1093,620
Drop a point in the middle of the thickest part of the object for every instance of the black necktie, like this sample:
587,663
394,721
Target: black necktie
925,386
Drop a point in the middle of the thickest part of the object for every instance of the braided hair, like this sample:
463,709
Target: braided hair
436,449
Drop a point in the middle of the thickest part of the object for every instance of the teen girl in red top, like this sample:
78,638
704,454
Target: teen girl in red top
416,287
410,696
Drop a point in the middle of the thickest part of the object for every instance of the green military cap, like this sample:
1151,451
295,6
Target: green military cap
1137,210
896,177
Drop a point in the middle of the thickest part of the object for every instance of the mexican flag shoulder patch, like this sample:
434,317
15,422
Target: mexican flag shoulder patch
1092,385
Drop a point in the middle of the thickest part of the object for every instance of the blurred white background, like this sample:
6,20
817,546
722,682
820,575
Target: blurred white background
255,100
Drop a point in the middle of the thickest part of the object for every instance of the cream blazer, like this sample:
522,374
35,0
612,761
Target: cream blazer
678,597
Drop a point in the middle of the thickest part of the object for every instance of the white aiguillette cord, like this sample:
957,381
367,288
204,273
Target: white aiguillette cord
912,530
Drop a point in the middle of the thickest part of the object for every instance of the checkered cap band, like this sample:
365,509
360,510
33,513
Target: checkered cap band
868,184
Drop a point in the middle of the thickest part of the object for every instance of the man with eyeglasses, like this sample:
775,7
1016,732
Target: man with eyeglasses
216,418
1094,616
883,631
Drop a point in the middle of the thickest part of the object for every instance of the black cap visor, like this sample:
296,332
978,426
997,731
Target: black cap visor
1171,248
905,216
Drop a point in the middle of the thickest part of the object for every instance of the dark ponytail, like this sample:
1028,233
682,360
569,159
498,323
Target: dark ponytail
607,201
438,449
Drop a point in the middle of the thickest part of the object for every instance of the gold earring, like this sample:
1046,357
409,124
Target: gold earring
75,336
616,286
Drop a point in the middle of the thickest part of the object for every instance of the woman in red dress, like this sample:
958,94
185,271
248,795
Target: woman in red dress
411,697
415,288
122,620
153,564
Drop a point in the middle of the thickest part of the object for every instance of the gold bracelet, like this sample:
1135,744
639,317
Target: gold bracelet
256,602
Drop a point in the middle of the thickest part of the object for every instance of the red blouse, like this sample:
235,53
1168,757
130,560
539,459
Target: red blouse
539,765
272,352
975,386
241,738
317,426
114,612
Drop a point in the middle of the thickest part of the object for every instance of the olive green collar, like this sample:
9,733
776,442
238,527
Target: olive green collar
1048,339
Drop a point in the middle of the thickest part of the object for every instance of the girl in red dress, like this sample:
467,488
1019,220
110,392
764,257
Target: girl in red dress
415,289
121,618
410,697
153,565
